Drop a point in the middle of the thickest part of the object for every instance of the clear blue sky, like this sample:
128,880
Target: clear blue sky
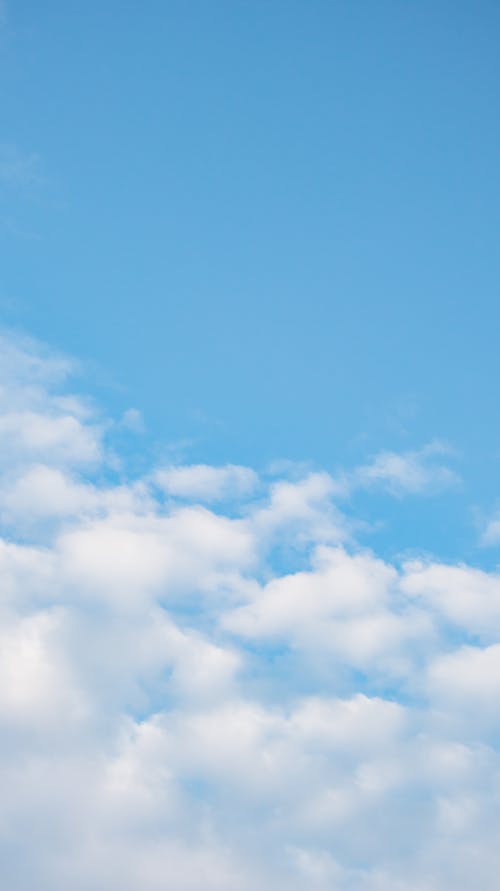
271,226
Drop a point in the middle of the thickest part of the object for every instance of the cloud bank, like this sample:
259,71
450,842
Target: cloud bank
233,698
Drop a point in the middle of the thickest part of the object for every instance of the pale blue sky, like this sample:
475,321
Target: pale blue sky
271,226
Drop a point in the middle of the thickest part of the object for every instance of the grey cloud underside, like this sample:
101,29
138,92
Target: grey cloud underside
176,712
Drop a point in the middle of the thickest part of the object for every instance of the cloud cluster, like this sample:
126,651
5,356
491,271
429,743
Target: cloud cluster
237,698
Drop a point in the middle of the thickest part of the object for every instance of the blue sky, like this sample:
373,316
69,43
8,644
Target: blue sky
249,440
272,225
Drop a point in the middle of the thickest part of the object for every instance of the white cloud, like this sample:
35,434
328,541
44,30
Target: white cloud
204,483
469,674
41,492
491,534
236,699
414,472
34,683
38,423
347,607
61,440
465,597
301,511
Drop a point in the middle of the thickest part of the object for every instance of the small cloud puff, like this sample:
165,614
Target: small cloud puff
132,420
416,472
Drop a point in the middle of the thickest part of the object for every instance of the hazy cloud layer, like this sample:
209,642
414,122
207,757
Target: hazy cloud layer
178,711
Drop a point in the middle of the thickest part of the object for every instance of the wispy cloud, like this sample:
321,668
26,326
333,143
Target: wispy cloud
490,535
18,168
422,471
205,483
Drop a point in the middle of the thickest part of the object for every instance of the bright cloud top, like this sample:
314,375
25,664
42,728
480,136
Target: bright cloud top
234,699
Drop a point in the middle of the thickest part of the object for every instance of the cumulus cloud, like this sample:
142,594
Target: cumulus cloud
464,597
237,697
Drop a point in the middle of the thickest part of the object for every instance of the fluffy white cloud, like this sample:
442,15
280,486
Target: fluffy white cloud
349,609
237,699
40,492
301,511
460,595
60,439
469,674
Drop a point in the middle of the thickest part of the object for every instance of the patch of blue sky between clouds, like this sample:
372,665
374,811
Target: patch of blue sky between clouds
209,675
